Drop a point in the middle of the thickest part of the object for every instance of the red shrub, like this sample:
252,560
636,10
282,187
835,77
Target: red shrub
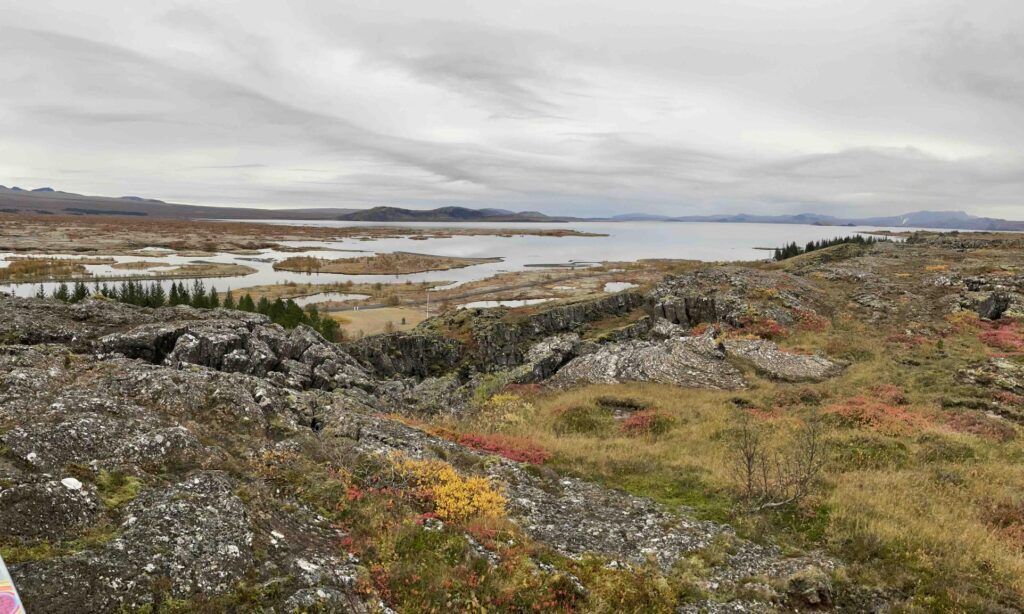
877,415
765,328
1005,336
808,320
700,329
1008,398
512,448
646,422
890,394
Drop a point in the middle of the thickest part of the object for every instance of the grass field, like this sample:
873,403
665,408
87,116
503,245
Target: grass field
357,324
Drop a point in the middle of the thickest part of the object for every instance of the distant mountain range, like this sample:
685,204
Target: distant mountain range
918,219
445,214
47,201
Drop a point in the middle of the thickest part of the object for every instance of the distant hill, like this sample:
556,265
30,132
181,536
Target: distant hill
445,214
48,201
951,220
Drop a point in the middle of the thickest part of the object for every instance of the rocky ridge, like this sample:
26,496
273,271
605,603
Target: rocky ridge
172,400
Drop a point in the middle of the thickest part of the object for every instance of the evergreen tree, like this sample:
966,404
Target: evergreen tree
157,295
229,300
198,294
41,292
61,293
213,301
81,292
246,303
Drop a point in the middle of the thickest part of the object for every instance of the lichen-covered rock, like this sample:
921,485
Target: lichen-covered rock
694,362
769,360
732,295
410,354
993,307
500,338
196,533
575,516
301,356
49,510
546,357
168,454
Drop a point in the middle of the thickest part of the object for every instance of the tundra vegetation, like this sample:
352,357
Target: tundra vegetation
897,468
906,466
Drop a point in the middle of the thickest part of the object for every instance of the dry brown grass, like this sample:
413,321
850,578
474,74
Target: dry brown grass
936,514
357,324
396,263
42,269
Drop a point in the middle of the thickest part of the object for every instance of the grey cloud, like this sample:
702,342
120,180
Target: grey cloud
667,107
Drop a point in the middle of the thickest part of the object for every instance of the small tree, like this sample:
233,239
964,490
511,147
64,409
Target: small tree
157,296
774,476
62,293
246,303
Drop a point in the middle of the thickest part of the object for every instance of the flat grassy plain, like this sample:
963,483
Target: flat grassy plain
364,322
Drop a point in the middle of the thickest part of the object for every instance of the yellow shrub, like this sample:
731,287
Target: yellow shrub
508,410
455,498
963,319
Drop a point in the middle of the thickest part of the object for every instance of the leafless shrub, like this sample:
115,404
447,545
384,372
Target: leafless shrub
775,474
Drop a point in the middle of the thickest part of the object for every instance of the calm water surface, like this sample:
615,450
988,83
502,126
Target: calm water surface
625,241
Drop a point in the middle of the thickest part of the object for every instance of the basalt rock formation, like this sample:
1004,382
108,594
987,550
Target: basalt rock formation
180,406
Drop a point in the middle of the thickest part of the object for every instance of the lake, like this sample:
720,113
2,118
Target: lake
625,241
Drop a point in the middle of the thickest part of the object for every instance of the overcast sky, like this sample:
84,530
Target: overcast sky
847,107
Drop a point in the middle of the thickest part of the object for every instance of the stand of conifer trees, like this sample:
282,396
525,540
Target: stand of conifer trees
781,253
287,313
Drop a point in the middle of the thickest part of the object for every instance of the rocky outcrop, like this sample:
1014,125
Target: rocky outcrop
499,339
78,325
298,358
694,362
196,532
186,431
176,528
732,295
411,354
769,360
993,307
576,517
232,341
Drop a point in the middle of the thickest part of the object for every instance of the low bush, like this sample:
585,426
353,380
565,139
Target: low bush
583,420
876,415
647,423
870,451
513,448
454,498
